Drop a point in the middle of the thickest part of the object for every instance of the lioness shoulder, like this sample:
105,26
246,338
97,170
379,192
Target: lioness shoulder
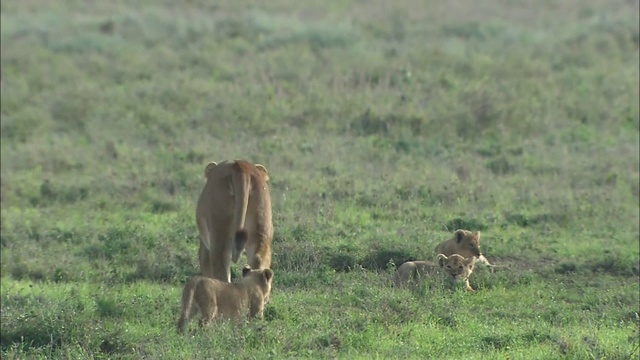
217,299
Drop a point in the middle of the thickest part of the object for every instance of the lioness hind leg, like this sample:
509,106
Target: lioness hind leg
221,253
221,268
258,254
205,261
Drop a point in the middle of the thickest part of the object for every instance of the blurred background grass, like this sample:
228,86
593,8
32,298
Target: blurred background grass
384,126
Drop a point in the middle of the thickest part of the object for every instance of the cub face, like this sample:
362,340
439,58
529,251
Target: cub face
456,266
262,277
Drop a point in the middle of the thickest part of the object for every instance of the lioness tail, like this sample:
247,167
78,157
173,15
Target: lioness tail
241,183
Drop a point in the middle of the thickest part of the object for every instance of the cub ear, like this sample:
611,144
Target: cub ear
459,235
262,168
268,274
477,234
441,259
209,168
245,270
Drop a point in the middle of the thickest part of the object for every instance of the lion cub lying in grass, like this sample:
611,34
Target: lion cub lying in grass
456,256
217,299
457,267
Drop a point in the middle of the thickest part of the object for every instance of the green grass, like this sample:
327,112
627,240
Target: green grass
384,127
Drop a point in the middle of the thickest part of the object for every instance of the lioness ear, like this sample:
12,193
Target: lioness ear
207,169
245,270
261,168
459,235
441,259
477,234
268,274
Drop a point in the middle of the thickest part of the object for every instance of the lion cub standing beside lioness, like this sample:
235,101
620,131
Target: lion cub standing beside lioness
218,299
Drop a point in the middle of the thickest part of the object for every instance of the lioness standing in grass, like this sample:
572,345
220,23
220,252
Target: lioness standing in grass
217,299
234,214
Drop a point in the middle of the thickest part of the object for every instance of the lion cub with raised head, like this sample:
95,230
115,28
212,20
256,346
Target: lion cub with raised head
464,243
458,268
218,299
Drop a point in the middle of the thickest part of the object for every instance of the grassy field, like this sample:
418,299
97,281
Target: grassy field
384,126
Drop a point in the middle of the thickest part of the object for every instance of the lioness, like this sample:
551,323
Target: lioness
217,299
458,268
464,243
234,214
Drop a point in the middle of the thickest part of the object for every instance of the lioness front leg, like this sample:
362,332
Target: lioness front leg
205,262
220,259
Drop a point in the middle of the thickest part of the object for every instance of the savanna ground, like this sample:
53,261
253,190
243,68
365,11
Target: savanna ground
385,125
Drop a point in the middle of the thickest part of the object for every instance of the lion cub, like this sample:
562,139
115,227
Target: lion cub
464,243
217,299
455,265
458,268
410,272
